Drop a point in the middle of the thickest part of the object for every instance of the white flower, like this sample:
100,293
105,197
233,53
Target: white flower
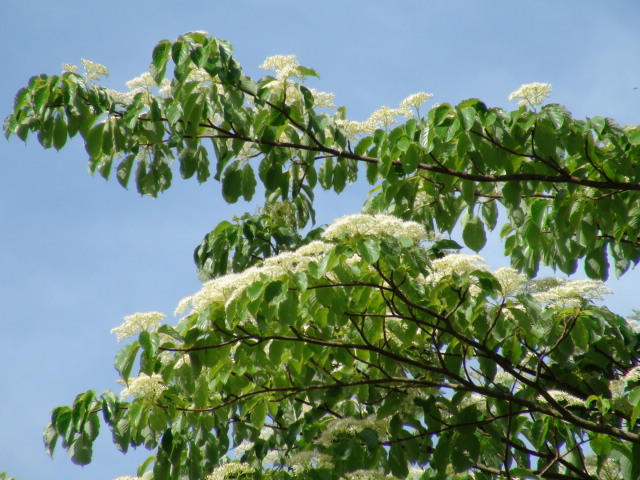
143,81
632,375
322,99
572,294
374,225
563,397
230,470
531,94
455,263
265,433
120,97
414,101
352,129
146,387
136,323
315,248
93,71
309,460
244,447
474,399
617,387
511,281
285,66
386,116
67,67
367,475
350,426
271,457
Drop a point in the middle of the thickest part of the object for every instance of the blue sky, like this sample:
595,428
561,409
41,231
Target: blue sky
79,253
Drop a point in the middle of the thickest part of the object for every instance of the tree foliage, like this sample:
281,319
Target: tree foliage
369,348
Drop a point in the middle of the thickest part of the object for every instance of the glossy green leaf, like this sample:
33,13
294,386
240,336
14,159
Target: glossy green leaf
474,235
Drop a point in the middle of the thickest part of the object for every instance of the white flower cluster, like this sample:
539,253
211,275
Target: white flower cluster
563,397
476,399
285,66
350,426
414,101
353,129
531,94
69,68
362,224
308,460
322,99
384,117
368,475
224,289
93,71
143,83
230,470
147,387
618,386
511,281
136,323
127,477
455,263
572,294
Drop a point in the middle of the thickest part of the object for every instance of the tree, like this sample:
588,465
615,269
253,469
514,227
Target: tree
369,348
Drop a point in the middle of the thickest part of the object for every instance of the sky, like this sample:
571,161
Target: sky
78,253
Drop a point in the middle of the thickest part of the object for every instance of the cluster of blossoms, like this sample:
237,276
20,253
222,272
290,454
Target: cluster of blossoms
531,94
563,397
309,460
136,323
511,281
230,470
144,83
92,71
147,387
572,294
368,475
286,67
455,263
362,224
350,426
384,117
618,386
414,102
224,289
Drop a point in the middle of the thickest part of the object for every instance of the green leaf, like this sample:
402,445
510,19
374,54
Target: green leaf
93,143
124,170
369,249
326,174
596,265
411,158
398,461
59,132
232,185
474,235
125,358
248,182
159,59
81,450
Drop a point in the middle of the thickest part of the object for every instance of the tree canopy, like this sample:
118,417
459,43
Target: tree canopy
370,347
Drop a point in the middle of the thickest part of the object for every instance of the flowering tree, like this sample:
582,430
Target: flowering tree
369,348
